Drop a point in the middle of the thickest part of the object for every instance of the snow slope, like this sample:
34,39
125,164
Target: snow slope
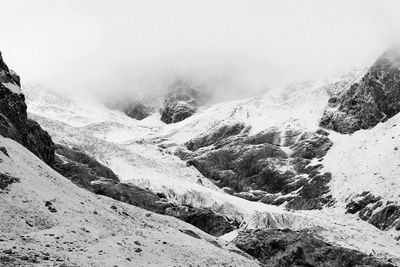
91,230
367,160
131,149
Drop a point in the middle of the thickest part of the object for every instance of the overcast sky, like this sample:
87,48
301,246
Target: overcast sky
112,45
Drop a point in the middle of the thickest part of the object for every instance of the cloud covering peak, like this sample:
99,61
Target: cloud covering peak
233,46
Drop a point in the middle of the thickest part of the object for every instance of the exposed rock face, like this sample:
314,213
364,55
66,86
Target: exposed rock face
372,209
80,160
88,173
216,138
273,247
204,219
6,180
386,218
138,111
14,122
181,101
39,142
4,151
375,98
260,168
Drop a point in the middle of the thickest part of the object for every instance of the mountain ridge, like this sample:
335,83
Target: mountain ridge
264,150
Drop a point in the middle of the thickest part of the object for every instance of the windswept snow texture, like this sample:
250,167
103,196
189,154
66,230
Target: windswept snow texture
141,152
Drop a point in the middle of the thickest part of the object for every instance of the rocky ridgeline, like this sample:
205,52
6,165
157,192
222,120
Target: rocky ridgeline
279,166
14,122
272,167
275,248
374,99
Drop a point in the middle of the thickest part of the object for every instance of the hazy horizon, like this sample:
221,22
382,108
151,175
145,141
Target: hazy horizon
234,47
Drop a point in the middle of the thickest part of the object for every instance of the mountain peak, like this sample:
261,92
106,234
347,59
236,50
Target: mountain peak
366,103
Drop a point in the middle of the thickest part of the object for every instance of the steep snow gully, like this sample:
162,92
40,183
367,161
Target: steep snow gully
308,176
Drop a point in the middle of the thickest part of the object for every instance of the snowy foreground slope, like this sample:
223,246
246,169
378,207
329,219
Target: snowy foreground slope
141,152
47,220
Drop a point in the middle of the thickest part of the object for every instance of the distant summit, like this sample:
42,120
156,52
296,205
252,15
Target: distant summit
181,101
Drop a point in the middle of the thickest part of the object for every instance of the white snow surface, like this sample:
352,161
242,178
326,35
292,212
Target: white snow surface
367,160
92,230
130,148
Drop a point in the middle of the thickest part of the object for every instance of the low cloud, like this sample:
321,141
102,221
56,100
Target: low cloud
129,49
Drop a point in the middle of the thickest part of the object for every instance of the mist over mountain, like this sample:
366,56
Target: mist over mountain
200,133
231,48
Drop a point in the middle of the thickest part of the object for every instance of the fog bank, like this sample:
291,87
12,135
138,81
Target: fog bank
233,48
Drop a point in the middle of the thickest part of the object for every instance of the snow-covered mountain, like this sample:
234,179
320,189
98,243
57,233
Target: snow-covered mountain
48,220
258,169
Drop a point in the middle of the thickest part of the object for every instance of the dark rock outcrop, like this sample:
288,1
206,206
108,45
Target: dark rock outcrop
181,101
373,210
374,99
14,122
387,217
361,201
80,160
138,111
4,151
217,137
204,219
260,168
274,247
6,180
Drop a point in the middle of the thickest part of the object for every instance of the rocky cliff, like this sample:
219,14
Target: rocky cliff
14,122
273,166
372,100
